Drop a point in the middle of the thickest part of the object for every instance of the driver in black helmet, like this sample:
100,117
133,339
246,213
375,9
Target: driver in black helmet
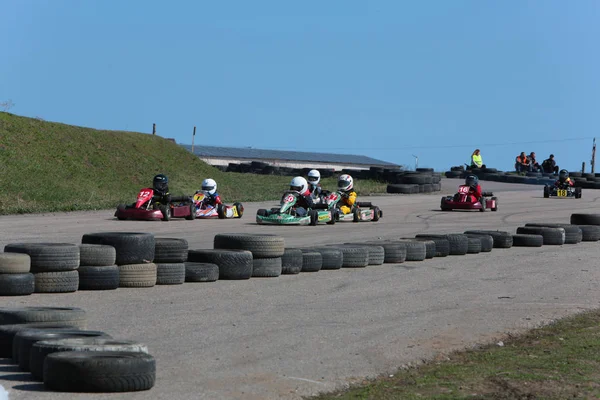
160,184
475,193
563,180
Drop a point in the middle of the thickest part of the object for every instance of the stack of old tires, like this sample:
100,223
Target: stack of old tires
170,255
52,344
493,174
54,265
15,278
97,269
134,256
423,180
230,263
266,251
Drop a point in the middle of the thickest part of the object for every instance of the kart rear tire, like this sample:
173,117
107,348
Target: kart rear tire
262,212
376,214
578,192
239,208
314,217
546,192
356,214
496,203
166,212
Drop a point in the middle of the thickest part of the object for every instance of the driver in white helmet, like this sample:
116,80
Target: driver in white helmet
313,178
305,200
209,188
346,188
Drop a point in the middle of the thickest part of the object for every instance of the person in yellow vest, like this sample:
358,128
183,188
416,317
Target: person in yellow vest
476,161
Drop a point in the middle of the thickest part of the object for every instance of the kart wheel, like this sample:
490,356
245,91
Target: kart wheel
240,209
546,192
333,217
221,211
314,217
262,212
578,192
356,214
495,203
166,212
192,215
376,214
121,207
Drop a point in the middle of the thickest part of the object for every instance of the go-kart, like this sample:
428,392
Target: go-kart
286,214
361,211
562,191
147,208
222,211
462,201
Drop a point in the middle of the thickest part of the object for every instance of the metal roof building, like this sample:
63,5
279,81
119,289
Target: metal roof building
216,155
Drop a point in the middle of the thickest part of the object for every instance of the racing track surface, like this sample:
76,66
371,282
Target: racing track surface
287,337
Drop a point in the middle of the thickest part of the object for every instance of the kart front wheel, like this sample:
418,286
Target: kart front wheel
166,212
221,211
192,215
314,217
121,207
376,214
240,209
356,215
578,192
495,208
333,217
546,192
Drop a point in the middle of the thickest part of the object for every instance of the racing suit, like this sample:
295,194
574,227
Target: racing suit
212,199
161,197
475,193
347,201
315,190
563,185
303,203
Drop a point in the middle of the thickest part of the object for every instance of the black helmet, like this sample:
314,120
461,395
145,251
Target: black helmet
471,180
563,174
160,183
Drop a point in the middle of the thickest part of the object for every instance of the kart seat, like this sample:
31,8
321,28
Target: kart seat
319,206
363,203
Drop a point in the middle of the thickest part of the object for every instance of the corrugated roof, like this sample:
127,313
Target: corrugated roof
259,154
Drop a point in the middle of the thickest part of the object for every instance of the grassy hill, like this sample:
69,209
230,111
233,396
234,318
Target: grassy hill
47,166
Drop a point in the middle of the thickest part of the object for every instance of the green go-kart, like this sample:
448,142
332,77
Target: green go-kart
285,214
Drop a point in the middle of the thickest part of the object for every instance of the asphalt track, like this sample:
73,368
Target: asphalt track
297,335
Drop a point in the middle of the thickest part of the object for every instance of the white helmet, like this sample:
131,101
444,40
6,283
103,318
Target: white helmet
345,182
299,184
314,176
209,186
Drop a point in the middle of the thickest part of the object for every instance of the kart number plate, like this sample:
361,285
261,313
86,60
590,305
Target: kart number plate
561,193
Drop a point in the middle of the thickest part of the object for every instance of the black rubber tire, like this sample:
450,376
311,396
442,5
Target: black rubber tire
262,212
474,245
24,340
170,273
131,247
580,219
415,250
166,212
96,255
14,263
266,267
291,261
170,250
458,242
487,242
552,236
137,275
527,240
376,214
442,245
201,272
573,233
354,257
240,209
40,350
314,217
312,261
233,264
395,252
43,315
8,332
590,233
99,372
332,258
48,257
356,215
430,248
56,282
376,252
502,239
402,188
192,215
260,245
17,284
105,277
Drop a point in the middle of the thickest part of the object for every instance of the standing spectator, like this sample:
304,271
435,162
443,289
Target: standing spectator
549,165
476,161
522,163
534,165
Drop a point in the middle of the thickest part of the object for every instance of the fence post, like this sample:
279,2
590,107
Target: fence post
154,129
193,136
583,167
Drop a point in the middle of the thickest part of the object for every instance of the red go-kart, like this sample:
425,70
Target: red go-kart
146,208
463,201
204,210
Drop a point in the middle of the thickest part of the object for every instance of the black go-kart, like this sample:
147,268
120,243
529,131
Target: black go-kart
562,191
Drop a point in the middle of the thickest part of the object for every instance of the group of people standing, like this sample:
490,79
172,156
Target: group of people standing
523,163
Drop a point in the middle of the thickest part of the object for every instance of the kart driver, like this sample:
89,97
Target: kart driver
209,188
475,193
563,180
313,178
160,185
345,186
305,200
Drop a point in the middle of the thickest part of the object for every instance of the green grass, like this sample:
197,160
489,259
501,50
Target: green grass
558,361
46,166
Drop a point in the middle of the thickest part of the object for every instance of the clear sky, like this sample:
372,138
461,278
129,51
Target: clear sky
386,79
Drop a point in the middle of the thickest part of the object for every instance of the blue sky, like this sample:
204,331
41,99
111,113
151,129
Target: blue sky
386,79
